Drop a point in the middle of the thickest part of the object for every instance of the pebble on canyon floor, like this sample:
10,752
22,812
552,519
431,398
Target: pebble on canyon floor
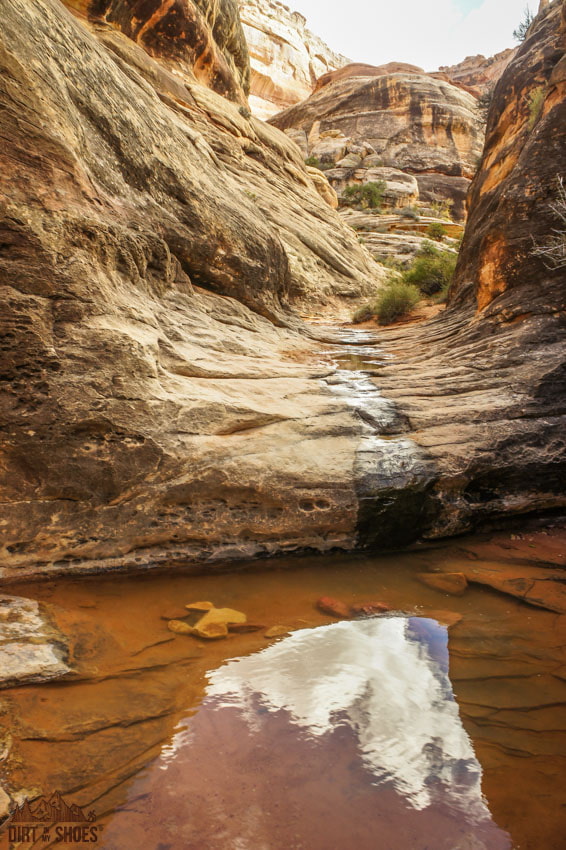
277,631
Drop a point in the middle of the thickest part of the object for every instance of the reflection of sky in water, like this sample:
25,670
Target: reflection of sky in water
386,678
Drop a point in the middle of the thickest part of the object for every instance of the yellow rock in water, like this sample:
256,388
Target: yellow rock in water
224,616
199,606
211,631
179,627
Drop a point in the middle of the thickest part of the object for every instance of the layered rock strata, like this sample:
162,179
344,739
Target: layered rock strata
285,57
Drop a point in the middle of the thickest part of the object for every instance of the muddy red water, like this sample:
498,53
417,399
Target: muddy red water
437,726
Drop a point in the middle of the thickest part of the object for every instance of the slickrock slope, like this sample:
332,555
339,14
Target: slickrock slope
286,58
406,120
148,231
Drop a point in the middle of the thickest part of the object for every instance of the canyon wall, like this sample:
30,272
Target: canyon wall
286,58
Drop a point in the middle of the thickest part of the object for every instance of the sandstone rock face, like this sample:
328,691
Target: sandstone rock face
286,58
411,122
361,69
498,350
203,40
476,73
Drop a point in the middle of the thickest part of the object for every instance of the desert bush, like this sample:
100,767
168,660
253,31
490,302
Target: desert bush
312,161
396,300
442,209
442,294
409,212
432,269
390,263
436,231
366,196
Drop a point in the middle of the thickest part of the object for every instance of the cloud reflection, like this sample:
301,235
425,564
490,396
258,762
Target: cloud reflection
386,678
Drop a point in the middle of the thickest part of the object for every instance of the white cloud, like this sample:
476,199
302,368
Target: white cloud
426,33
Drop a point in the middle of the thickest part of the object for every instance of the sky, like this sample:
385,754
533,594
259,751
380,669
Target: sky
428,33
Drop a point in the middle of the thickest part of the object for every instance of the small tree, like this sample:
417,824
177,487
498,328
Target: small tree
520,33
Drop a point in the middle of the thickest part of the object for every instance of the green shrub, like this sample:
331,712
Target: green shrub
312,161
428,249
245,112
362,314
432,269
390,263
367,196
536,103
436,231
409,212
395,301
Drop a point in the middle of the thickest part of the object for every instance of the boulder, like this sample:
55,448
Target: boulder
323,187
31,648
